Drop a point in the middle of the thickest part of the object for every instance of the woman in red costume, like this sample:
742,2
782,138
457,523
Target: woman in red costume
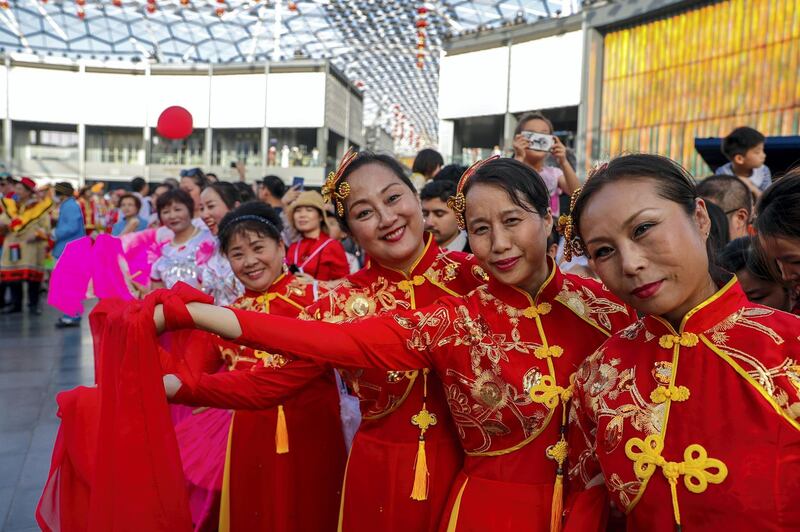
692,411
378,205
504,353
316,254
290,454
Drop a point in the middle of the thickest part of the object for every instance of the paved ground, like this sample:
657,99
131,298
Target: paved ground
36,362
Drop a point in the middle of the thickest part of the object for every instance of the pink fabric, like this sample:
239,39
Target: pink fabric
107,274
550,175
206,251
202,442
70,277
141,250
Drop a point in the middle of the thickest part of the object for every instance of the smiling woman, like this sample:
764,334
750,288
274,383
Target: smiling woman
498,359
644,230
179,257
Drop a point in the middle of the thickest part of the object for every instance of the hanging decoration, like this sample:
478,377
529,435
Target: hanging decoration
175,123
151,6
220,10
422,23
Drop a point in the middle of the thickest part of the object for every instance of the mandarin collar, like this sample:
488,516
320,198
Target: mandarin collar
420,266
724,302
518,298
277,285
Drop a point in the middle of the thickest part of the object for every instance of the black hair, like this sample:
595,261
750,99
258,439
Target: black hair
251,217
175,195
554,237
719,234
740,141
427,161
672,182
727,191
135,199
369,157
522,183
138,184
275,185
742,253
527,117
451,172
438,189
227,192
196,175
778,210
245,191
212,177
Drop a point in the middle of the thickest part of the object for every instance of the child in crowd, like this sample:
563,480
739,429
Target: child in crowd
557,180
741,258
744,148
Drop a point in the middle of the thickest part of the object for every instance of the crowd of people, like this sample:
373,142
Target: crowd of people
435,350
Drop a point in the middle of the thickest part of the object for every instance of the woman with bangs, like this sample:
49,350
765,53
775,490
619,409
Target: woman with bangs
692,411
503,354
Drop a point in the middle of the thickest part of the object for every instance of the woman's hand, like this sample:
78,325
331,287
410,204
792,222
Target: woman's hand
171,385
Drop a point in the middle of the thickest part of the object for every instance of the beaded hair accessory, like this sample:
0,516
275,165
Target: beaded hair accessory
573,245
335,192
253,218
458,202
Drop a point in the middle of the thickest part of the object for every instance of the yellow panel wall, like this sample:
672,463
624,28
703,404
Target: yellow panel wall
701,73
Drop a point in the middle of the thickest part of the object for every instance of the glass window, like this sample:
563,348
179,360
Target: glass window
178,152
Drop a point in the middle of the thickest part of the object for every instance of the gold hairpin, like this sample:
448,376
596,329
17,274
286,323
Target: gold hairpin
458,202
335,192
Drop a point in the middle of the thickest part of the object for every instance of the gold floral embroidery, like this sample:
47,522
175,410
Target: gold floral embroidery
583,302
270,360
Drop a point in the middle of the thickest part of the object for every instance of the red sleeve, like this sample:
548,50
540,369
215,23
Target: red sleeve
254,389
392,341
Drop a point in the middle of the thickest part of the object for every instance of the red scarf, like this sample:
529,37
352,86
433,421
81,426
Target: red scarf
116,464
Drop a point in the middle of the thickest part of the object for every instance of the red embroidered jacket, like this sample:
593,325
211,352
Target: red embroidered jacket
697,426
504,359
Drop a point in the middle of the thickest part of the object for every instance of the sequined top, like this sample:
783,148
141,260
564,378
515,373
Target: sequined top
179,263
218,280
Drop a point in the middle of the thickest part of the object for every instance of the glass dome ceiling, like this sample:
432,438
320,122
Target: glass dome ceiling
374,42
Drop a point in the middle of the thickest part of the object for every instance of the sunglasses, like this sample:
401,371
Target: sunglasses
191,172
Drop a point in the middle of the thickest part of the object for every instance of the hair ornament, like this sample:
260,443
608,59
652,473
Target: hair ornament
458,202
253,218
573,245
335,192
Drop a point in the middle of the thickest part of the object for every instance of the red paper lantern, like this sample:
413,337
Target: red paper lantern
422,10
292,6
81,15
175,123
422,23
151,8
220,11
80,2
117,3
4,4
184,2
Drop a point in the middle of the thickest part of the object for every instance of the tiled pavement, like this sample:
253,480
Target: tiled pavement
36,362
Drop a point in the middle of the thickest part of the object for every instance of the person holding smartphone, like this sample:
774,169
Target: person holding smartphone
530,148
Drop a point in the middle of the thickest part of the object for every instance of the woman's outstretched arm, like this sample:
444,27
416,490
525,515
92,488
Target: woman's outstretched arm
392,341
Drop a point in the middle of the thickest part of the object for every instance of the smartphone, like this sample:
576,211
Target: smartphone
298,183
538,141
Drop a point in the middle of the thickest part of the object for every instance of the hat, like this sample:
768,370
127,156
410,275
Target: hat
65,188
29,183
309,198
